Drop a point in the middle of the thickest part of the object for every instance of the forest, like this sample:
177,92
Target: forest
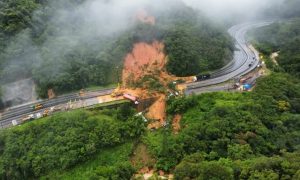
70,54
58,143
234,135
250,135
223,135
284,38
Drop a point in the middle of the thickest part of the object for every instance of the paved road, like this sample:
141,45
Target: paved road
239,66
243,56
18,112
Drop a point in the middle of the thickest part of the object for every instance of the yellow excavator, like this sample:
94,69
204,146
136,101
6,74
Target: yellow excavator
37,106
117,92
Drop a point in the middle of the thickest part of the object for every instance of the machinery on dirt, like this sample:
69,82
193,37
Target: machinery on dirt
46,113
117,92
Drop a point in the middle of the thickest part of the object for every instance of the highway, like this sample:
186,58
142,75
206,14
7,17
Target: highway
19,112
239,66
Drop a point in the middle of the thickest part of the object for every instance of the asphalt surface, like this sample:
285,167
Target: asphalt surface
239,66
19,112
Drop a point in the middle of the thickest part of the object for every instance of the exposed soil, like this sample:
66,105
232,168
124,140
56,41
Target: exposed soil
51,94
176,123
157,112
148,59
144,58
108,98
144,17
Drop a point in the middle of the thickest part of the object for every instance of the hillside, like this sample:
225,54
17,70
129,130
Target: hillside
157,131
284,38
61,49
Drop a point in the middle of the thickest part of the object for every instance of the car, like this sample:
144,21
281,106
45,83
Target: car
250,65
202,77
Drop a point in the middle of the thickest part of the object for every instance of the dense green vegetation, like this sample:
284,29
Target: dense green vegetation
195,45
290,9
59,49
110,163
61,57
234,135
252,135
283,37
200,165
57,144
223,136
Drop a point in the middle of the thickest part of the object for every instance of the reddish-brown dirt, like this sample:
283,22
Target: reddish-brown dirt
143,58
176,123
157,112
51,94
148,59
144,17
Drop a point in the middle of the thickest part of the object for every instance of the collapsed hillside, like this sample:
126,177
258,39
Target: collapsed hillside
77,52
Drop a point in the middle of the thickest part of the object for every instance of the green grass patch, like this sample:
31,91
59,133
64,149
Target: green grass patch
96,88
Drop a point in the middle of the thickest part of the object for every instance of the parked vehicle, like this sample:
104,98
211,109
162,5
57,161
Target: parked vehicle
201,77
28,118
251,64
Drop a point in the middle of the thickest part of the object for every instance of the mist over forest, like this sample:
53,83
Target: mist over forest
68,47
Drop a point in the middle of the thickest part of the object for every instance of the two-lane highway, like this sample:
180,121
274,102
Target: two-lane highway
243,56
18,112
244,61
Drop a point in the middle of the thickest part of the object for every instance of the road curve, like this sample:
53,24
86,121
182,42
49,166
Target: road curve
239,66
243,56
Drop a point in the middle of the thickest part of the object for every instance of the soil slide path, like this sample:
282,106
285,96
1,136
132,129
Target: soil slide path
143,59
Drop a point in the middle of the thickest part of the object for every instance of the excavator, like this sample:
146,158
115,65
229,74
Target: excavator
117,92
37,106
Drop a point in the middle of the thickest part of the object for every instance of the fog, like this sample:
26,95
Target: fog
237,9
70,26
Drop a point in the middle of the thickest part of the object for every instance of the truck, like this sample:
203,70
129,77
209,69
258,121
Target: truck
27,118
37,106
131,98
202,77
14,122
